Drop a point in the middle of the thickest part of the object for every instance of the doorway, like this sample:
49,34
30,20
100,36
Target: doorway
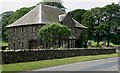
33,44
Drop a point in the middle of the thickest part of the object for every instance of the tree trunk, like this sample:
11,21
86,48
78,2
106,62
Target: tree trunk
108,41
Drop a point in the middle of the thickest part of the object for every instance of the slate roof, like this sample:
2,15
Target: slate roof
43,14
77,24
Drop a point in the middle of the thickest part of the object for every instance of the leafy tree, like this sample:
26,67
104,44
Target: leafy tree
83,40
19,13
4,20
93,18
53,32
111,19
88,21
78,14
54,3
102,22
116,37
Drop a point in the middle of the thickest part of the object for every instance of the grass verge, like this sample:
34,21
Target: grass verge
3,44
53,62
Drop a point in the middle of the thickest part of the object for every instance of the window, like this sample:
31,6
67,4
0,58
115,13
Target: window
14,30
33,28
22,44
13,44
22,29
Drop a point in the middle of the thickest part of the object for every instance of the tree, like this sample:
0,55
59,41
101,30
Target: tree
4,22
93,18
116,37
102,22
50,33
57,3
112,16
78,14
88,21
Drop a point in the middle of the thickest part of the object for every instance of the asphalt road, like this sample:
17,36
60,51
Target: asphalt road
109,64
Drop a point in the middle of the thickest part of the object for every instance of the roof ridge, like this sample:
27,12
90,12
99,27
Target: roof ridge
50,6
40,14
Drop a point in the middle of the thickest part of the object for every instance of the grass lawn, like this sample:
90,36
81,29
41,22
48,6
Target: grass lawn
53,62
93,43
3,44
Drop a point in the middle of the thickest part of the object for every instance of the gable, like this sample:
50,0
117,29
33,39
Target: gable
67,20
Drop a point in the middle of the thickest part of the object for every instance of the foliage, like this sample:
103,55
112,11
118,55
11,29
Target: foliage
116,37
102,22
3,44
53,3
112,14
93,20
5,17
53,32
83,40
78,14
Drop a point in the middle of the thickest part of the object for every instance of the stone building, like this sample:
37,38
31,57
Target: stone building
23,33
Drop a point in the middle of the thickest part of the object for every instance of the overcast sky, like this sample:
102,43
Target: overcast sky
13,5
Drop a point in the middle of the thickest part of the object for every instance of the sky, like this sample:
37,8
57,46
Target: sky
13,5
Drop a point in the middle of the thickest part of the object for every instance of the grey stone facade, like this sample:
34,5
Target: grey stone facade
19,37
23,34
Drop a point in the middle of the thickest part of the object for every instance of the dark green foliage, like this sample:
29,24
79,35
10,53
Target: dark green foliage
112,12
93,19
50,33
102,22
19,13
78,14
56,4
83,40
4,22
116,37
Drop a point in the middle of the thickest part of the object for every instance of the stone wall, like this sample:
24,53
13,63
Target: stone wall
19,37
35,55
78,32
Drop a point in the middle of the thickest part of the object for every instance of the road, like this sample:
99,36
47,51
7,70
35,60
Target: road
109,64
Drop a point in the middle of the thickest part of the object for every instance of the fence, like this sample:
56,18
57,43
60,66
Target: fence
35,55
